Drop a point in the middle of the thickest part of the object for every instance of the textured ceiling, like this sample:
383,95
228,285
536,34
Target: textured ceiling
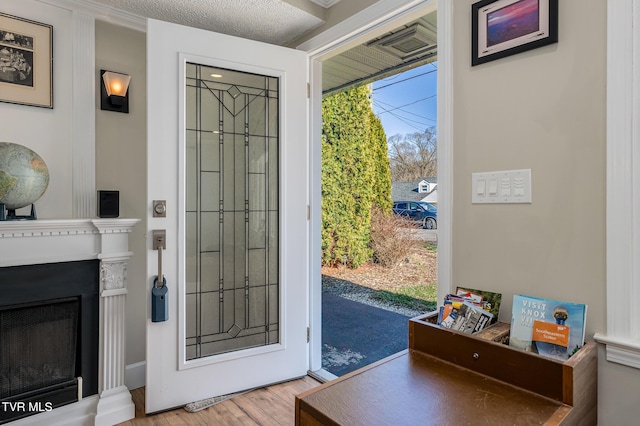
280,22
270,21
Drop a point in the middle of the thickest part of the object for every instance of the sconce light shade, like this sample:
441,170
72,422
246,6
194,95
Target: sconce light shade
114,91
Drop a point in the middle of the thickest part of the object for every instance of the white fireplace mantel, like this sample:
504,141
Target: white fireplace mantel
66,240
32,242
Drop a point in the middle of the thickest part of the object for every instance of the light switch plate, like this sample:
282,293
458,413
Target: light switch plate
510,186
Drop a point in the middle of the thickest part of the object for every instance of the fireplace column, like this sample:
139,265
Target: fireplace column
115,404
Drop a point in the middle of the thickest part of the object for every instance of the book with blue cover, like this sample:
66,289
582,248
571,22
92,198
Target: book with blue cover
560,338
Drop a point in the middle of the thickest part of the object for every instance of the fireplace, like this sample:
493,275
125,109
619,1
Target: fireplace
73,274
48,336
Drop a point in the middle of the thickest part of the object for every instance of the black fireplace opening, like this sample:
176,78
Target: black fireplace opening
49,328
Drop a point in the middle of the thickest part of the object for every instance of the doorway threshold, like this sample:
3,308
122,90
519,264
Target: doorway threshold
322,375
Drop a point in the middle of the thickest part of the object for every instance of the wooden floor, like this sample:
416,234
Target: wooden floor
272,405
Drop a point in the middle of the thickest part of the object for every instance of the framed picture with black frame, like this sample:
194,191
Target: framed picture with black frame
26,62
501,28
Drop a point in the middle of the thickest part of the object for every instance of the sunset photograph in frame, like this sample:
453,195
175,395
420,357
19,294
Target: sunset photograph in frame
501,28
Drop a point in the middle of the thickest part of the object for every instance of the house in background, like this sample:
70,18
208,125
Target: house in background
425,189
574,129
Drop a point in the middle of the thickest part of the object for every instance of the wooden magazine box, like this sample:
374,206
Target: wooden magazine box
446,377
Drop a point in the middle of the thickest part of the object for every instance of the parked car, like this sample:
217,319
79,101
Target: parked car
419,211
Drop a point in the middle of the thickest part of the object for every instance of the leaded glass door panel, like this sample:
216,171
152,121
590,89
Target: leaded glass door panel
232,224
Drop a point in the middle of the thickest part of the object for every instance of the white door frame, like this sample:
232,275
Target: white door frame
373,21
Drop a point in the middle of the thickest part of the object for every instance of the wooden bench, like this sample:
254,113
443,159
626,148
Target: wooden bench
446,377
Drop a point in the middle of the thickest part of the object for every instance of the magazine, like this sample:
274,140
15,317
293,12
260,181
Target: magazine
488,300
464,316
449,312
471,319
529,310
469,310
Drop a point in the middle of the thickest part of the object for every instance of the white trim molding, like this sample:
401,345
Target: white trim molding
84,117
134,375
621,351
445,146
380,17
315,223
622,338
62,240
102,12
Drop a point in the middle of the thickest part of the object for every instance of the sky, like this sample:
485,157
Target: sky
407,102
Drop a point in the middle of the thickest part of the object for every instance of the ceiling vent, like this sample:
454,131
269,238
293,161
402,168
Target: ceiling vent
407,43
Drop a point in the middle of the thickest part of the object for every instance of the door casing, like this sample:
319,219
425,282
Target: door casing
372,22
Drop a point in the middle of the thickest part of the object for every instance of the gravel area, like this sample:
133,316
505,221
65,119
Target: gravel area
361,284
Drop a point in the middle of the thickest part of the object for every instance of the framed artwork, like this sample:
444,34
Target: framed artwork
26,62
501,28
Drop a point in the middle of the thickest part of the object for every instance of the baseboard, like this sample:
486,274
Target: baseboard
135,374
81,413
114,406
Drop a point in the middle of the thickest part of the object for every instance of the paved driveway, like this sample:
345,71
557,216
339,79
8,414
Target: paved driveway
423,234
355,334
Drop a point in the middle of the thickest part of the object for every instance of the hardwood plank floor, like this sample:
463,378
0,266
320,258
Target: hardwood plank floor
271,405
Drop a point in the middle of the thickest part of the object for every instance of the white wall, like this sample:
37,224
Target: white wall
120,141
543,110
121,164
47,131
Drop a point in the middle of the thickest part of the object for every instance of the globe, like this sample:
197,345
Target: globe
24,176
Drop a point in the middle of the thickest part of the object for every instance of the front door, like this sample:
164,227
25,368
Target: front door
227,150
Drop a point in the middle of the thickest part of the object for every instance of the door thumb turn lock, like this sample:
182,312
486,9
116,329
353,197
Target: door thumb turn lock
159,208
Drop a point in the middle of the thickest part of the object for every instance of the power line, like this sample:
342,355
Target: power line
403,110
408,78
421,123
407,123
411,103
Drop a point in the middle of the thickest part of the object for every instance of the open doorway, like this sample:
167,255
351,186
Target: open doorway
365,306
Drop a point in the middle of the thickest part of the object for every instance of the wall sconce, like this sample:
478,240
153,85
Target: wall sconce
114,91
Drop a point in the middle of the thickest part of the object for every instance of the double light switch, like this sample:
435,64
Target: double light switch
511,186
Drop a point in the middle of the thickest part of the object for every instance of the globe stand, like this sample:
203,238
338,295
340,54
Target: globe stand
10,214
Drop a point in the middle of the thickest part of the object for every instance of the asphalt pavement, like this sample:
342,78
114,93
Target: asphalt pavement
355,334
